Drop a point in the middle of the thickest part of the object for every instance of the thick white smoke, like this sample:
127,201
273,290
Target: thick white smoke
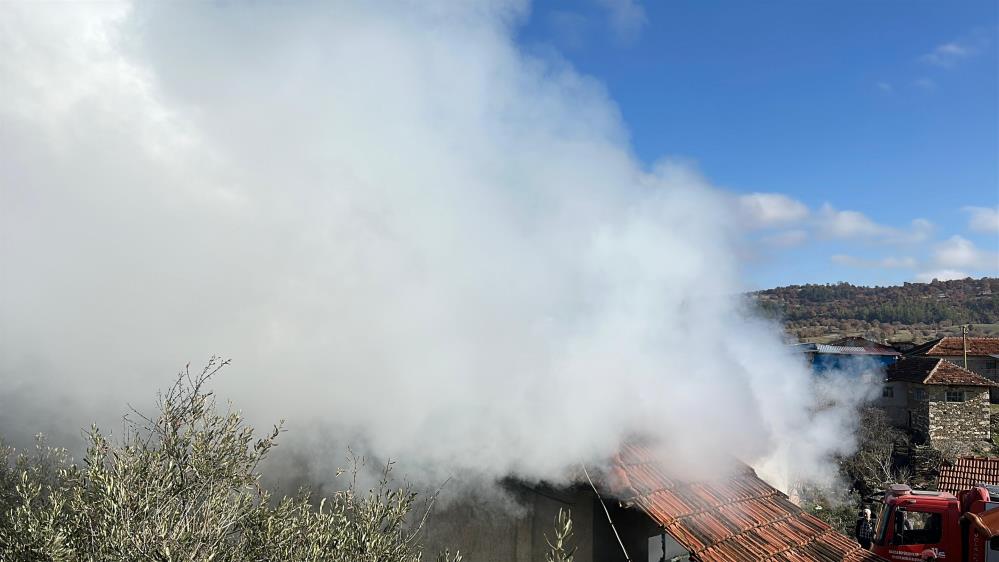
401,226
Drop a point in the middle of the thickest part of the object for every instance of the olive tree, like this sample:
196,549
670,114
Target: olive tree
184,485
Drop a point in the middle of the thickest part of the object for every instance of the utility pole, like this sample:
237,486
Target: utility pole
964,340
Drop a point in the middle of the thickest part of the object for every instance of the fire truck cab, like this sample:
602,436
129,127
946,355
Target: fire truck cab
916,525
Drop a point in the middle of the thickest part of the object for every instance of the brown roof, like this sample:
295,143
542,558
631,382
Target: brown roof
742,519
853,341
933,370
952,346
966,472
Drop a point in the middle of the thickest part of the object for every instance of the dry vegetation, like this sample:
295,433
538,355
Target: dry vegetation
875,465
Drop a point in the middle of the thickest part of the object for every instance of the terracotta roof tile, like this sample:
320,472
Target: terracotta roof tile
742,519
933,370
966,472
954,346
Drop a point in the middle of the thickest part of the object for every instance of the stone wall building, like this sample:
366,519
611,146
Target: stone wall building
983,355
946,405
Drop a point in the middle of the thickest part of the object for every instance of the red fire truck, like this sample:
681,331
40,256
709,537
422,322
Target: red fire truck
937,526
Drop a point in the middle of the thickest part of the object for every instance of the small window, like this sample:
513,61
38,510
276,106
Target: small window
888,392
920,394
955,396
991,364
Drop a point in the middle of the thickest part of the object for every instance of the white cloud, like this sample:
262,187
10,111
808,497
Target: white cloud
886,262
949,54
768,210
958,252
958,258
940,275
983,219
833,223
885,87
925,83
919,231
627,18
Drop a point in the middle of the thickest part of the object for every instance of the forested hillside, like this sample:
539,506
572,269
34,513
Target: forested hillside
912,311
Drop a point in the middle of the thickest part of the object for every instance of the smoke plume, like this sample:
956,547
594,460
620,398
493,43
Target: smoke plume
406,229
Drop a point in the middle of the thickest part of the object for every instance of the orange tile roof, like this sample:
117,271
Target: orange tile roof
951,346
933,370
966,472
742,519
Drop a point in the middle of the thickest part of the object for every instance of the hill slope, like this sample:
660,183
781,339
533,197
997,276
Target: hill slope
909,312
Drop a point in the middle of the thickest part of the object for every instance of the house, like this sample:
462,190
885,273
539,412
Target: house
966,472
848,354
655,517
938,400
856,341
740,518
983,355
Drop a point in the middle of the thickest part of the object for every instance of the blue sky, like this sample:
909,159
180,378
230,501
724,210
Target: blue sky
854,119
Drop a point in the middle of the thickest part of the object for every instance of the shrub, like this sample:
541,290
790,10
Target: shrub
184,485
837,508
559,549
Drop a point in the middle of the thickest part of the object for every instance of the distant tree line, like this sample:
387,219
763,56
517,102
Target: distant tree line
918,309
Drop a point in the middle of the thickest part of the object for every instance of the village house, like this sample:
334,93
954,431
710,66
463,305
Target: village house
655,517
982,355
944,404
850,354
